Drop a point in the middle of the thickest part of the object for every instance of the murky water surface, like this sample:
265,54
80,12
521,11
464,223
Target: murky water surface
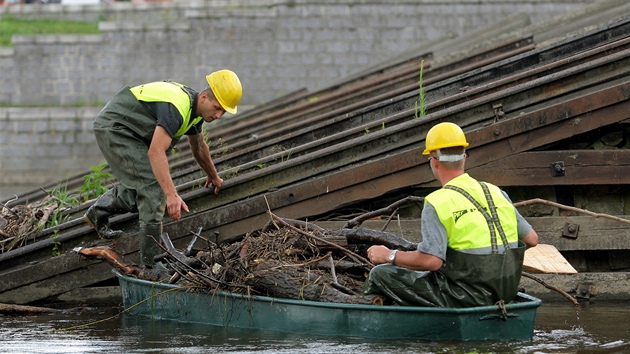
560,328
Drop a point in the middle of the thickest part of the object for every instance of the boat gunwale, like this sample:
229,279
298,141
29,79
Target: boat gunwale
529,301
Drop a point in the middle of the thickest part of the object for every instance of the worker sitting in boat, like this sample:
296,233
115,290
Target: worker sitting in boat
473,239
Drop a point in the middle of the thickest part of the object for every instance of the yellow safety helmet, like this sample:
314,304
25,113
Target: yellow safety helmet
444,135
226,88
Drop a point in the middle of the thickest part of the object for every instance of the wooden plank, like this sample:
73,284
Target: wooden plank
602,286
546,259
64,265
58,284
593,233
581,167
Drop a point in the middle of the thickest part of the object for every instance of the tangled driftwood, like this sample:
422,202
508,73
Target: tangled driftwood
286,259
21,221
283,261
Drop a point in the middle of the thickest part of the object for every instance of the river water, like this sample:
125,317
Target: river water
560,328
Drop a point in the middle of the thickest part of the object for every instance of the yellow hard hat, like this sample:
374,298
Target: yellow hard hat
444,135
226,88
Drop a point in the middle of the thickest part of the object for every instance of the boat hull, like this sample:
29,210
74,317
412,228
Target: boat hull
165,301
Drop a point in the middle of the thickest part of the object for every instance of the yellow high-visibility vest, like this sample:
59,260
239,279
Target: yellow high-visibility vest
172,92
466,227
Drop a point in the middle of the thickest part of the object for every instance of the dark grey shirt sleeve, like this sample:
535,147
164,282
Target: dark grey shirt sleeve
434,238
523,227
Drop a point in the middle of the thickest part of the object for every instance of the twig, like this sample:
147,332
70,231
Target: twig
389,219
303,264
342,249
57,199
332,268
11,210
389,209
566,207
269,210
343,289
564,293
191,269
305,224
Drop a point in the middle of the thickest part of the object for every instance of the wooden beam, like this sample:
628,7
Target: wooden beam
581,167
592,233
612,286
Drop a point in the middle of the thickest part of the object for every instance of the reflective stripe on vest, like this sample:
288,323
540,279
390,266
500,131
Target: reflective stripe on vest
466,227
173,93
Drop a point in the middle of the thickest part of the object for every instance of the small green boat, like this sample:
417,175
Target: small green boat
172,302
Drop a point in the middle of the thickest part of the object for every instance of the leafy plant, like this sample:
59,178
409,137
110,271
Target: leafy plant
60,201
420,104
229,172
285,153
220,145
57,217
95,184
56,250
286,157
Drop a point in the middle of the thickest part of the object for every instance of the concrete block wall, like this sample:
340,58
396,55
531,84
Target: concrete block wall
46,145
276,47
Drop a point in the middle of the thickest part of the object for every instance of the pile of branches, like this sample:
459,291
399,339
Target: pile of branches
286,261
21,221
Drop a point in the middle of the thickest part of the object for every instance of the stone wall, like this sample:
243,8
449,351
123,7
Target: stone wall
275,47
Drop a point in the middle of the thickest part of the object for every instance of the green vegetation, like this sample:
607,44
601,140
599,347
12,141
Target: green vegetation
60,201
95,184
10,26
56,250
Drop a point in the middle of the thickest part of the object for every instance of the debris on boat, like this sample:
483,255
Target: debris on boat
286,259
291,259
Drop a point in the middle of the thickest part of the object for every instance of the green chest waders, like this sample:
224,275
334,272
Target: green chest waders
465,280
485,279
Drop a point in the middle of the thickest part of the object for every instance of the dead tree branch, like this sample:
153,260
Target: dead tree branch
566,207
388,210
344,250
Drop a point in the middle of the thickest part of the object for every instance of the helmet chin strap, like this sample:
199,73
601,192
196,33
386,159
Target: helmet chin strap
450,158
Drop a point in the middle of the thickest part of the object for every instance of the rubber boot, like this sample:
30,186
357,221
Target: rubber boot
149,248
97,216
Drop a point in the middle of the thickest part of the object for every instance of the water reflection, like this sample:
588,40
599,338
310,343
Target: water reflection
560,328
